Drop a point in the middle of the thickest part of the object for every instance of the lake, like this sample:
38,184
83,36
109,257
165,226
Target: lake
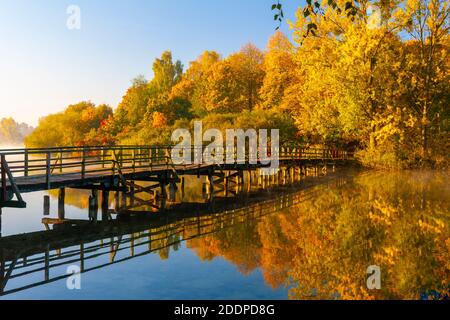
312,240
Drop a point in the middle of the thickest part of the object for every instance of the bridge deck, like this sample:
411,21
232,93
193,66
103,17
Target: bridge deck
77,179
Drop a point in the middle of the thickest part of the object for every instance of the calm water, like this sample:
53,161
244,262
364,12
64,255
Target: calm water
298,242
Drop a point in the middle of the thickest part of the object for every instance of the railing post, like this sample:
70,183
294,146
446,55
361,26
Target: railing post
103,157
83,163
60,161
25,163
48,168
150,157
133,161
4,191
114,160
140,156
167,156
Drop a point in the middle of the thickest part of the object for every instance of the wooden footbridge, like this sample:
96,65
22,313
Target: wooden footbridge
122,167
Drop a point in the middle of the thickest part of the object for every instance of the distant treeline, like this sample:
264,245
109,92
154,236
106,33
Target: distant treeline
379,86
13,133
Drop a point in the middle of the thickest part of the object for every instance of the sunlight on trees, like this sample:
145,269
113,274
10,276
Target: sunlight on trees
369,76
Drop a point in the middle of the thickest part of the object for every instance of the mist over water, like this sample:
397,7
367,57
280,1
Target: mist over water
11,146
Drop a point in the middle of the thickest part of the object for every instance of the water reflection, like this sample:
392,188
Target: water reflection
314,244
321,247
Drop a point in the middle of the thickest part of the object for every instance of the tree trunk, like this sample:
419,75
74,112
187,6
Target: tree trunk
424,131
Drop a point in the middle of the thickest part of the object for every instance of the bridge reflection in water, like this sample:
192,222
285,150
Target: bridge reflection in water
137,227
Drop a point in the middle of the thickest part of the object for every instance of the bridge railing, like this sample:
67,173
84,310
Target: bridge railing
88,160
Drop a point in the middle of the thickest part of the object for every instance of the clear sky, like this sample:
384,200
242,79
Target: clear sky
44,66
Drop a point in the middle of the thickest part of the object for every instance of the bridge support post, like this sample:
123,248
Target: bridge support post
93,206
105,204
182,188
172,191
162,185
46,205
123,200
61,200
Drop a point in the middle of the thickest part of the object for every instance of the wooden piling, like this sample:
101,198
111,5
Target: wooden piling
46,205
61,200
93,206
182,188
105,204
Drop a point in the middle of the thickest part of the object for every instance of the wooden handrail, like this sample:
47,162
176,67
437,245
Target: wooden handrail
94,159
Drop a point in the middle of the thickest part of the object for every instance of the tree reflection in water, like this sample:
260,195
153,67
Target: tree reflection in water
322,247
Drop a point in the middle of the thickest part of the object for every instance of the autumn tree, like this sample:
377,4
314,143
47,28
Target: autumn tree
234,83
166,74
279,67
428,25
193,86
70,127
133,106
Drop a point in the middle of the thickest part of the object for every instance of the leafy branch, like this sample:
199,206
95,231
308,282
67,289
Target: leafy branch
314,8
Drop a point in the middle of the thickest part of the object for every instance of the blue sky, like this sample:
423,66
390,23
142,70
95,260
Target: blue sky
44,66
